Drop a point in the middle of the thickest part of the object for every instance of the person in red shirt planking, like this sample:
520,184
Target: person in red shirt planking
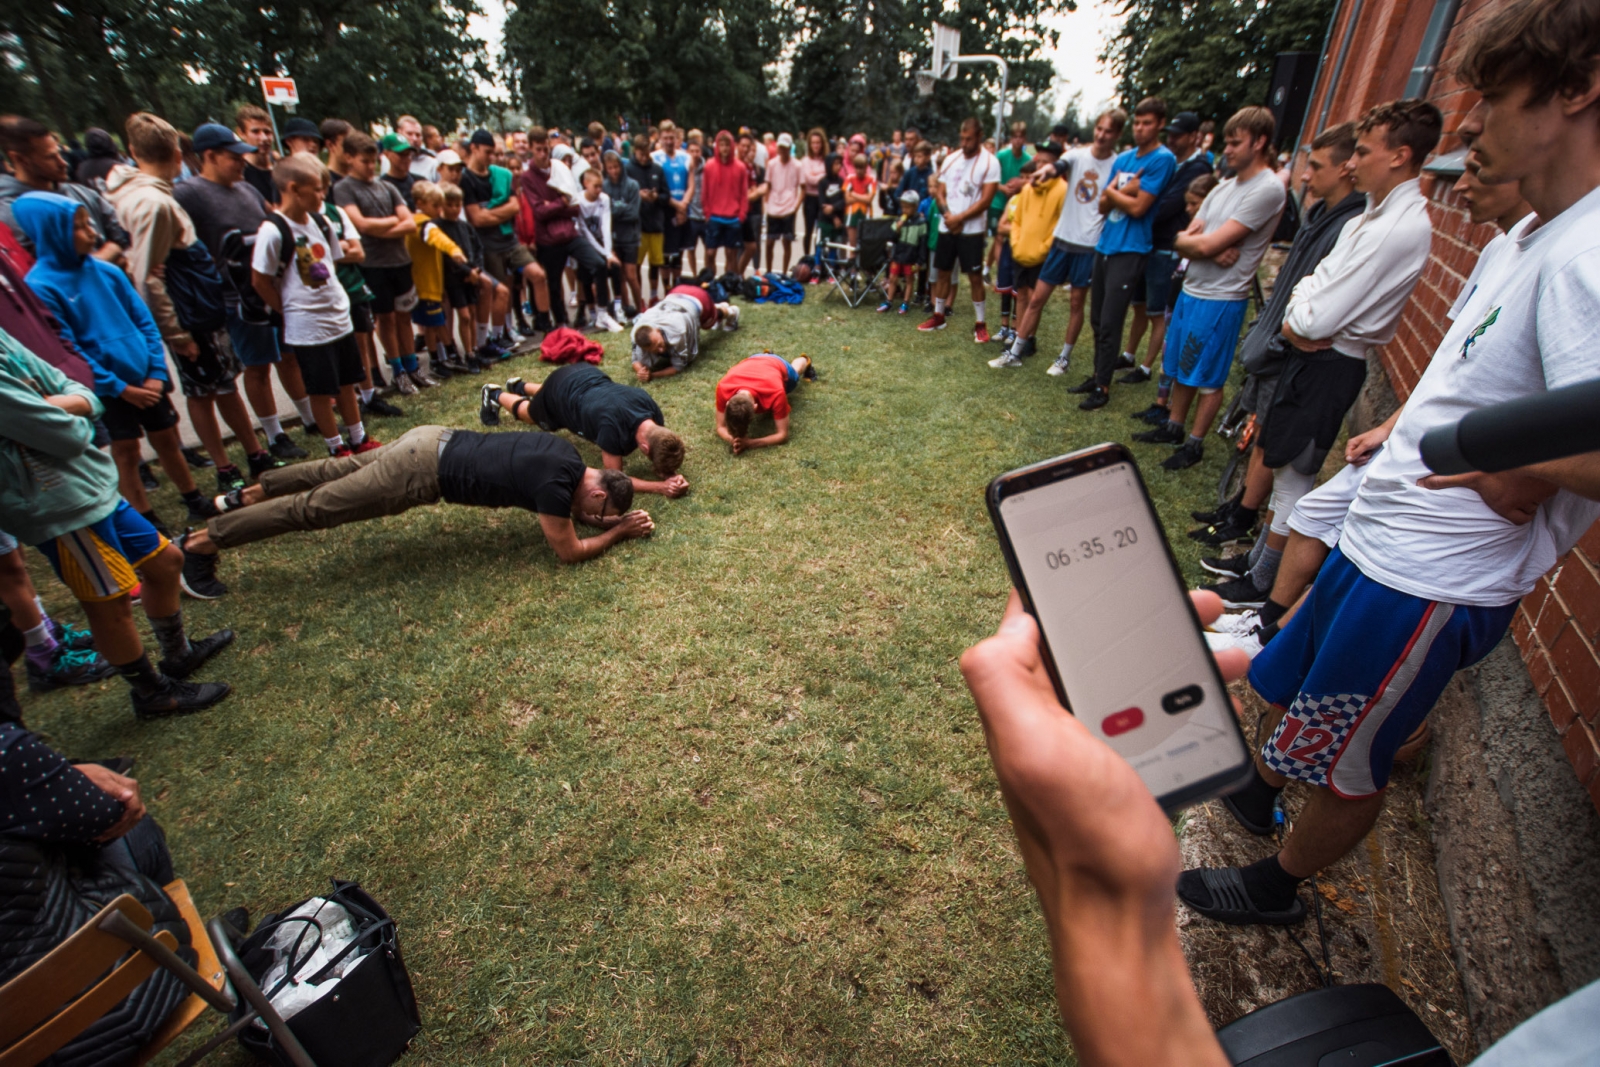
760,384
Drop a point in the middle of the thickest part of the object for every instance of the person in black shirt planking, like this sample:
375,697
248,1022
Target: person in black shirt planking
619,418
538,472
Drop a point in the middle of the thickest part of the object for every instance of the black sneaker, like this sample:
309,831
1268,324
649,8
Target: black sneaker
1023,347
473,363
489,405
1227,566
441,372
1238,593
514,385
1097,398
1219,514
68,668
201,509
199,652
178,698
197,459
229,478
262,462
312,430
1084,387
199,577
1166,434
1155,415
1137,376
810,373
1124,361
1187,455
284,448
381,408
1226,532
148,477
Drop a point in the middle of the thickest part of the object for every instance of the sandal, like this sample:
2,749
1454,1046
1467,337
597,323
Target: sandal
1229,902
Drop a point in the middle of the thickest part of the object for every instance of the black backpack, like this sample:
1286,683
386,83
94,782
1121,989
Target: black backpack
196,289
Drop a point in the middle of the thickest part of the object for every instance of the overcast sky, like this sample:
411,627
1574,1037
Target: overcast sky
1076,56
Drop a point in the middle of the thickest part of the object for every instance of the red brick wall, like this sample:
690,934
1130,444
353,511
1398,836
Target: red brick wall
1557,626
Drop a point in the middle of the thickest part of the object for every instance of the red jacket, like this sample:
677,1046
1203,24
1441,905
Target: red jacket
555,214
725,189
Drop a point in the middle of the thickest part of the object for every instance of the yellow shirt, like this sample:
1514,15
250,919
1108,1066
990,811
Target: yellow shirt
427,245
1034,214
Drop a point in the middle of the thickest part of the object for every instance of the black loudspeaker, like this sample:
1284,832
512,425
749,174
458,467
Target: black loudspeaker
1294,75
1342,1026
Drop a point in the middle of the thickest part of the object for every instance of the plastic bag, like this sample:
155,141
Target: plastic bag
292,992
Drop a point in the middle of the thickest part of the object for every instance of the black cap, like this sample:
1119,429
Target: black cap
483,137
1049,148
1184,122
1061,129
301,128
213,136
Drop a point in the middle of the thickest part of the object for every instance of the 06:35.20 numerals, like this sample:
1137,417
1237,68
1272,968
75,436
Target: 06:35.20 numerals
1092,548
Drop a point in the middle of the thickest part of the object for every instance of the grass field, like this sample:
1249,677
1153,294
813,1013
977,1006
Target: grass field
717,797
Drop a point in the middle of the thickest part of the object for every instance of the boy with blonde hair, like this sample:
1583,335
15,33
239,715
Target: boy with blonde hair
427,246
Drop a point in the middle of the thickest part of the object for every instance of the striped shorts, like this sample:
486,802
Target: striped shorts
98,561
1357,669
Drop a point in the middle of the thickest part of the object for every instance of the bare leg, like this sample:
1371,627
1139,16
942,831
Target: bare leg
1206,412
159,575
258,387
1158,339
1329,826
289,375
533,275
1033,309
327,425
1302,559
203,414
1257,482
1075,301
126,454
115,636
17,592
349,405
1182,397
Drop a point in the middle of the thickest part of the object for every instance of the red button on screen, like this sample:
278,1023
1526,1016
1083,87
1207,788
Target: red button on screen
1121,722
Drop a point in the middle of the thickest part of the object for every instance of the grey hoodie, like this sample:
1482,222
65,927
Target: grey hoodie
105,217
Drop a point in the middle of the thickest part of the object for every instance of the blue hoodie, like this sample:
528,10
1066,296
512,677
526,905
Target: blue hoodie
97,306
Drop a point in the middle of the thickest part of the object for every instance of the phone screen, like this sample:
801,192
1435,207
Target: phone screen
1133,664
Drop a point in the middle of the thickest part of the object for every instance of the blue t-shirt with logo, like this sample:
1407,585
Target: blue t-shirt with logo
1122,232
676,167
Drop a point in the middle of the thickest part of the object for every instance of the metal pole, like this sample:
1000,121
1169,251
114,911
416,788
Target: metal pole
1322,63
1434,37
1338,66
1005,71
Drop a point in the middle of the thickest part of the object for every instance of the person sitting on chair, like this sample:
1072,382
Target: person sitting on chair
619,418
539,472
760,384
666,338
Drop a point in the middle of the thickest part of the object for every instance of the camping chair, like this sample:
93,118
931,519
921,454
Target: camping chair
91,972
861,274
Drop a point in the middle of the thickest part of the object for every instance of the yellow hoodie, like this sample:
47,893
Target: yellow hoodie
427,245
1034,215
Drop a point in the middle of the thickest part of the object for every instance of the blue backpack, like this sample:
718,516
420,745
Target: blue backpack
196,289
781,290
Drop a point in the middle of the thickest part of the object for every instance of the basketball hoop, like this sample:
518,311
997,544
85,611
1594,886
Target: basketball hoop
946,47
925,80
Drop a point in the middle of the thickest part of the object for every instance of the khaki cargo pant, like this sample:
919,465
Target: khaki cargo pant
321,494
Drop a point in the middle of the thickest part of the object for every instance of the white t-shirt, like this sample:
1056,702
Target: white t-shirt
1490,251
595,215
1256,205
316,309
964,179
1080,212
1528,328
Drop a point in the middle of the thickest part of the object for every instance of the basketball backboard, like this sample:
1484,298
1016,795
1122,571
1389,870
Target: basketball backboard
946,47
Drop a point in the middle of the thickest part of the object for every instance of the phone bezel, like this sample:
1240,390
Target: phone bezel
1073,465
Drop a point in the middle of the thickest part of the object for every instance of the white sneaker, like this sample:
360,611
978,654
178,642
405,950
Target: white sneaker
730,319
1250,642
1058,368
1237,625
604,321
1005,360
617,312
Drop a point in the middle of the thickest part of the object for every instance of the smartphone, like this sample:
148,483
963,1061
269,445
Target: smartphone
1121,639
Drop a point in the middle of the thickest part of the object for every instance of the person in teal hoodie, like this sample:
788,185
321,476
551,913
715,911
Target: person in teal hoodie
58,492
101,311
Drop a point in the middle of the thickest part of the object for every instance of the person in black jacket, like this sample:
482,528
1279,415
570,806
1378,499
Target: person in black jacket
1264,350
654,199
1152,290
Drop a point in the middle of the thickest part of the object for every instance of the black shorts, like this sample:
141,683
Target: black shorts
677,239
627,252
325,368
392,289
361,316
541,418
458,294
214,372
750,230
780,226
966,247
125,422
1025,277
1312,396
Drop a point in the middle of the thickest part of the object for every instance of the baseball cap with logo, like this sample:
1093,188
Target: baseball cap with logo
1184,122
393,142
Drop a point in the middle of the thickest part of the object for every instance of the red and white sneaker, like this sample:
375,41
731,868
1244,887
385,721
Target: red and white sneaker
341,452
935,322
367,446
980,334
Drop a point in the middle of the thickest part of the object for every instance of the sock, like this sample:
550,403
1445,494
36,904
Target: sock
271,427
411,363
1269,885
1129,356
1194,443
41,644
1164,388
140,675
1255,800
169,631
367,395
1005,309
307,416
1268,632
938,306
1256,549
418,344
358,433
1175,426
1265,570
397,367
192,497
977,311
1066,353
483,335
1271,612
333,443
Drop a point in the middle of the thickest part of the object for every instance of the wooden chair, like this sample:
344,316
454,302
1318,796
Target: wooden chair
90,973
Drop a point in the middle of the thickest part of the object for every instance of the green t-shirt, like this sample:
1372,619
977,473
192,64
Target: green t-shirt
349,275
1010,166
933,222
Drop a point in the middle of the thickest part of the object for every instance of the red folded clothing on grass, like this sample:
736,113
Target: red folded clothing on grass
566,345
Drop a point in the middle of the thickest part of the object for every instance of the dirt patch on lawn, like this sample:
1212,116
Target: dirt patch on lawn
1380,906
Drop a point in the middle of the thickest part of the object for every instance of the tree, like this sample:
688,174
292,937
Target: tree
1210,56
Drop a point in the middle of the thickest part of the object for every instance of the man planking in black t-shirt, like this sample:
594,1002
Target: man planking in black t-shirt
538,472
619,418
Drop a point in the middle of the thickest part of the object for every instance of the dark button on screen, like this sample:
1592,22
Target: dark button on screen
1122,721
1180,700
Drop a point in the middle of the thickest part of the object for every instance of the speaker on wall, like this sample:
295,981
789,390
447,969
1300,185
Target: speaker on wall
1294,75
